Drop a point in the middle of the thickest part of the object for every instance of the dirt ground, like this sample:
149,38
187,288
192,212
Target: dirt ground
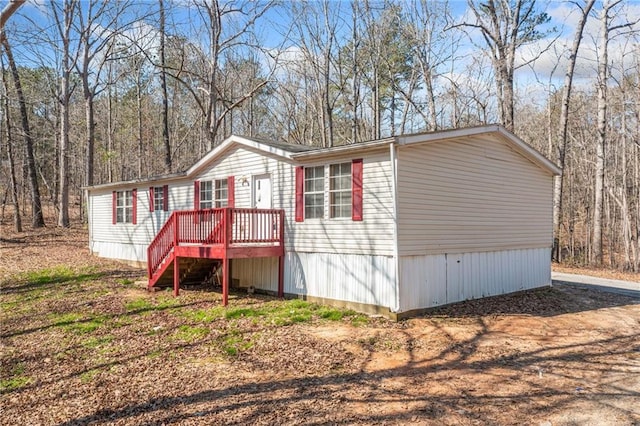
93,347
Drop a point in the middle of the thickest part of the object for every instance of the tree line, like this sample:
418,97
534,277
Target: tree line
103,91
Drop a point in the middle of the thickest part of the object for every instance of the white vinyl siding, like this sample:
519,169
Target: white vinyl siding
374,235
470,195
130,242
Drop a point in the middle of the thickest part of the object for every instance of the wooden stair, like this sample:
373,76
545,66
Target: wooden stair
193,271
194,246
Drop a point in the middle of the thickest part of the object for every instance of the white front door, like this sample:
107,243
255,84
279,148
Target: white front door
262,192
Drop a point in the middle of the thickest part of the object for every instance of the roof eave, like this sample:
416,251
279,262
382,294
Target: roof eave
343,149
236,140
127,183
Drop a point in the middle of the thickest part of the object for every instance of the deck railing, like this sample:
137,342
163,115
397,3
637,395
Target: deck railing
226,226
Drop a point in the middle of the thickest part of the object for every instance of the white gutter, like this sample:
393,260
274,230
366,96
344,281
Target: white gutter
394,193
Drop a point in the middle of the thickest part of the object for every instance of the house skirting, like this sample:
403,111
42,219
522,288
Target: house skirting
132,254
348,278
433,280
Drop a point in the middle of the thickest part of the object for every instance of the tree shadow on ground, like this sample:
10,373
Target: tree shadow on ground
545,302
341,398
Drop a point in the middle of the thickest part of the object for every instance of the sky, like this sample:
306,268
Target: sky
547,69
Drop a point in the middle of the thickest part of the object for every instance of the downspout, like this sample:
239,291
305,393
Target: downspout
394,194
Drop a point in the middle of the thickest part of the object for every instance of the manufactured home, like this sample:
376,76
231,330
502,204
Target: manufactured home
392,226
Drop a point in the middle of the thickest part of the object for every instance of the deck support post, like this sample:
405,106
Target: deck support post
225,281
176,276
281,276
282,254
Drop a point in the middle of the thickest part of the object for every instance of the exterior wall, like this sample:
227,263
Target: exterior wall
360,279
432,280
475,194
372,236
124,240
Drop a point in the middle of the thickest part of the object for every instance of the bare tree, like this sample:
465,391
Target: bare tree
64,24
163,85
505,26
13,188
562,127
603,76
37,218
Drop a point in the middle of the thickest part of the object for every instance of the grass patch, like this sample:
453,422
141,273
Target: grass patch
143,305
88,376
243,312
57,275
331,314
16,381
139,305
292,312
96,342
189,333
78,323
234,342
204,315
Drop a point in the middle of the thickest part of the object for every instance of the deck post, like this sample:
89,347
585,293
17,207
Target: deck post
281,257
281,276
225,281
176,276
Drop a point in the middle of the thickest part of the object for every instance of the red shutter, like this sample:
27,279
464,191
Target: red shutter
113,211
300,194
231,192
196,195
165,198
134,196
356,190
151,200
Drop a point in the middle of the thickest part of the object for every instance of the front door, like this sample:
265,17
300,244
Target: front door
262,226
262,192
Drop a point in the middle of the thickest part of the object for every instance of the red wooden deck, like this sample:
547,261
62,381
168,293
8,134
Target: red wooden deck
220,234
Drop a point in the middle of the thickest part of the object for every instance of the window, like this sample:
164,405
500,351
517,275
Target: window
221,193
158,198
314,192
206,194
344,194
340,190
124,207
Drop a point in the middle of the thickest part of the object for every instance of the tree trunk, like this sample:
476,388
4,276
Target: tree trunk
165,100
139,117
562,134
598,206
37,218
17,219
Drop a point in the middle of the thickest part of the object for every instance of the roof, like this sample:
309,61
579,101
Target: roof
297,152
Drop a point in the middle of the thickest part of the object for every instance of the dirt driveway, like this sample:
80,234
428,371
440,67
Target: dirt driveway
92,347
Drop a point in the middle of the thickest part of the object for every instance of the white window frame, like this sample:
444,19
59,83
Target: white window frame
312,180
221,193
206,194
340,187
124,206
158,198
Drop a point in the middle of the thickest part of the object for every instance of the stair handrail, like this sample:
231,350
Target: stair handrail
162,244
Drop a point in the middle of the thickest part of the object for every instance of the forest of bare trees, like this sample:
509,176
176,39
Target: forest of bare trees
103,91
